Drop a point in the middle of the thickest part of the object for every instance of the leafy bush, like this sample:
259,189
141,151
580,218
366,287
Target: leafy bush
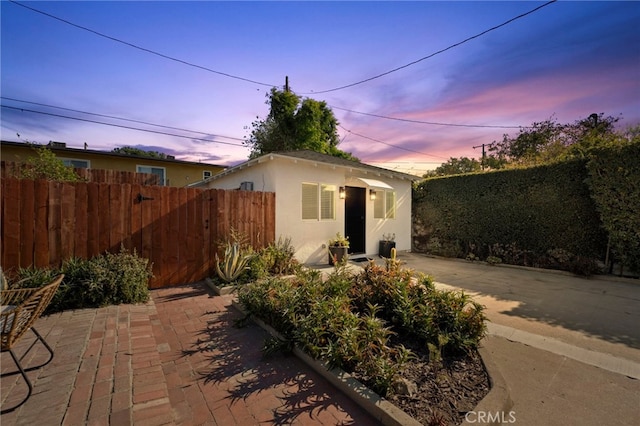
124,276
47,166
614,180
103,280
517,215
278,258
350,321
417,309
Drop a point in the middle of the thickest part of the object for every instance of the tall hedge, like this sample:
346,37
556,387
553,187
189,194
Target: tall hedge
529,211
614,179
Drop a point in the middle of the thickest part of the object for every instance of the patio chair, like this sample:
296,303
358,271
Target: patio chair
20,310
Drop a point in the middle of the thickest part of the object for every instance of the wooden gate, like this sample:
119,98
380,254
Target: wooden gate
177,229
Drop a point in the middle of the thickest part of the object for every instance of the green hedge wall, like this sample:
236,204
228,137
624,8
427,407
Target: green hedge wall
520,213
614,179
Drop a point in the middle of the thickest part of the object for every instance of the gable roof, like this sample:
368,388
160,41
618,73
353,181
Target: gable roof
314,157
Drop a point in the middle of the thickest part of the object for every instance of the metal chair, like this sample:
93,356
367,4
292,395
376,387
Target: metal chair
20,310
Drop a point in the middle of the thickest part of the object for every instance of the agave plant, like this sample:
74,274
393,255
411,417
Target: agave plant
233,264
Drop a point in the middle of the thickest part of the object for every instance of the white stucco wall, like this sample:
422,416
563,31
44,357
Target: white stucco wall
285,176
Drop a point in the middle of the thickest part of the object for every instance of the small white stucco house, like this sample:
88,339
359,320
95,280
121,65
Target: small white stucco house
318,195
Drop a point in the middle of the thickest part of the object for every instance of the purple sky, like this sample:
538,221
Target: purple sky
567,60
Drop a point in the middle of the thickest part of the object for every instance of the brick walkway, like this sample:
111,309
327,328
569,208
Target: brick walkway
176,360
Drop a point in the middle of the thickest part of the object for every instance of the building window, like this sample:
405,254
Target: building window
390,204
78,164
327,202
206,174
384,206
318,201
161,172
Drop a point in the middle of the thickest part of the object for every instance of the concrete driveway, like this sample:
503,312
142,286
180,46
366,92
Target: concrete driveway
568,347
600,313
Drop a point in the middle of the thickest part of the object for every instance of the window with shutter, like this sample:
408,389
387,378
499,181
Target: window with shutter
327,202
378,207
309,201
390,199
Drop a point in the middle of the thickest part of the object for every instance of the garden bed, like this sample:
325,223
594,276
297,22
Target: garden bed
398,335
442,395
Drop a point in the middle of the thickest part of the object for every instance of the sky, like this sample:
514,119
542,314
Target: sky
412,84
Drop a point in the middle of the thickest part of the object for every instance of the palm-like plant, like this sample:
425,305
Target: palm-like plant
234,263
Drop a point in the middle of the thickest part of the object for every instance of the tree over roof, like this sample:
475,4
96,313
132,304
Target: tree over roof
295,124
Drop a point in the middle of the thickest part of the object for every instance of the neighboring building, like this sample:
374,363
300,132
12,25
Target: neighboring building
318,195
172,172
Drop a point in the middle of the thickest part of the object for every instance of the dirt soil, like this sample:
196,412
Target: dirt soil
444,391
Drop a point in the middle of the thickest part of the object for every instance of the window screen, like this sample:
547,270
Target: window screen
378,207
159,171
80,164
309,201
390,200
318,201
327,202
384,206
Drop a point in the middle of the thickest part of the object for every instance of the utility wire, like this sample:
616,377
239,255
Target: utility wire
119,125
388,144
435,53
120,118
274,85
153,52
406,120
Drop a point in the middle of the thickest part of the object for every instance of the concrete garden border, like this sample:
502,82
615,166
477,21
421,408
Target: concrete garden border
220,291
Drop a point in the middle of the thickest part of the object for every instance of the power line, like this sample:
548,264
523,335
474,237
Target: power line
121,118
162,55
388,144
435,53
406,120
119,125
153,52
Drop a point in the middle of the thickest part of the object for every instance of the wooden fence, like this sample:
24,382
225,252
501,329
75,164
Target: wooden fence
13,169
177,229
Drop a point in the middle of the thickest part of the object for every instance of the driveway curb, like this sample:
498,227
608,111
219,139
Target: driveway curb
600,277
498,400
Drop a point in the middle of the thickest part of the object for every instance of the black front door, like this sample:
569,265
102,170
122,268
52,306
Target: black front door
355,218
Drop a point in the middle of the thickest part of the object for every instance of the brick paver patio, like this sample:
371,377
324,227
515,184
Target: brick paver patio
175,360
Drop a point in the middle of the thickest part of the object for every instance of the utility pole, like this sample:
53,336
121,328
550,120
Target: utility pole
483,155
286,84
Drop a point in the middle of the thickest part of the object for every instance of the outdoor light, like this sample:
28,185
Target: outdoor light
372,194
342,193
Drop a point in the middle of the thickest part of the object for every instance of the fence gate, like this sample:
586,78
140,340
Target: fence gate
177,229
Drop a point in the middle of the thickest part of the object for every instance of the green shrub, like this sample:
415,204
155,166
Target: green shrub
275,259
242,264
614,180
349,321
47,166
517,215
419,310
124,277
103,280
